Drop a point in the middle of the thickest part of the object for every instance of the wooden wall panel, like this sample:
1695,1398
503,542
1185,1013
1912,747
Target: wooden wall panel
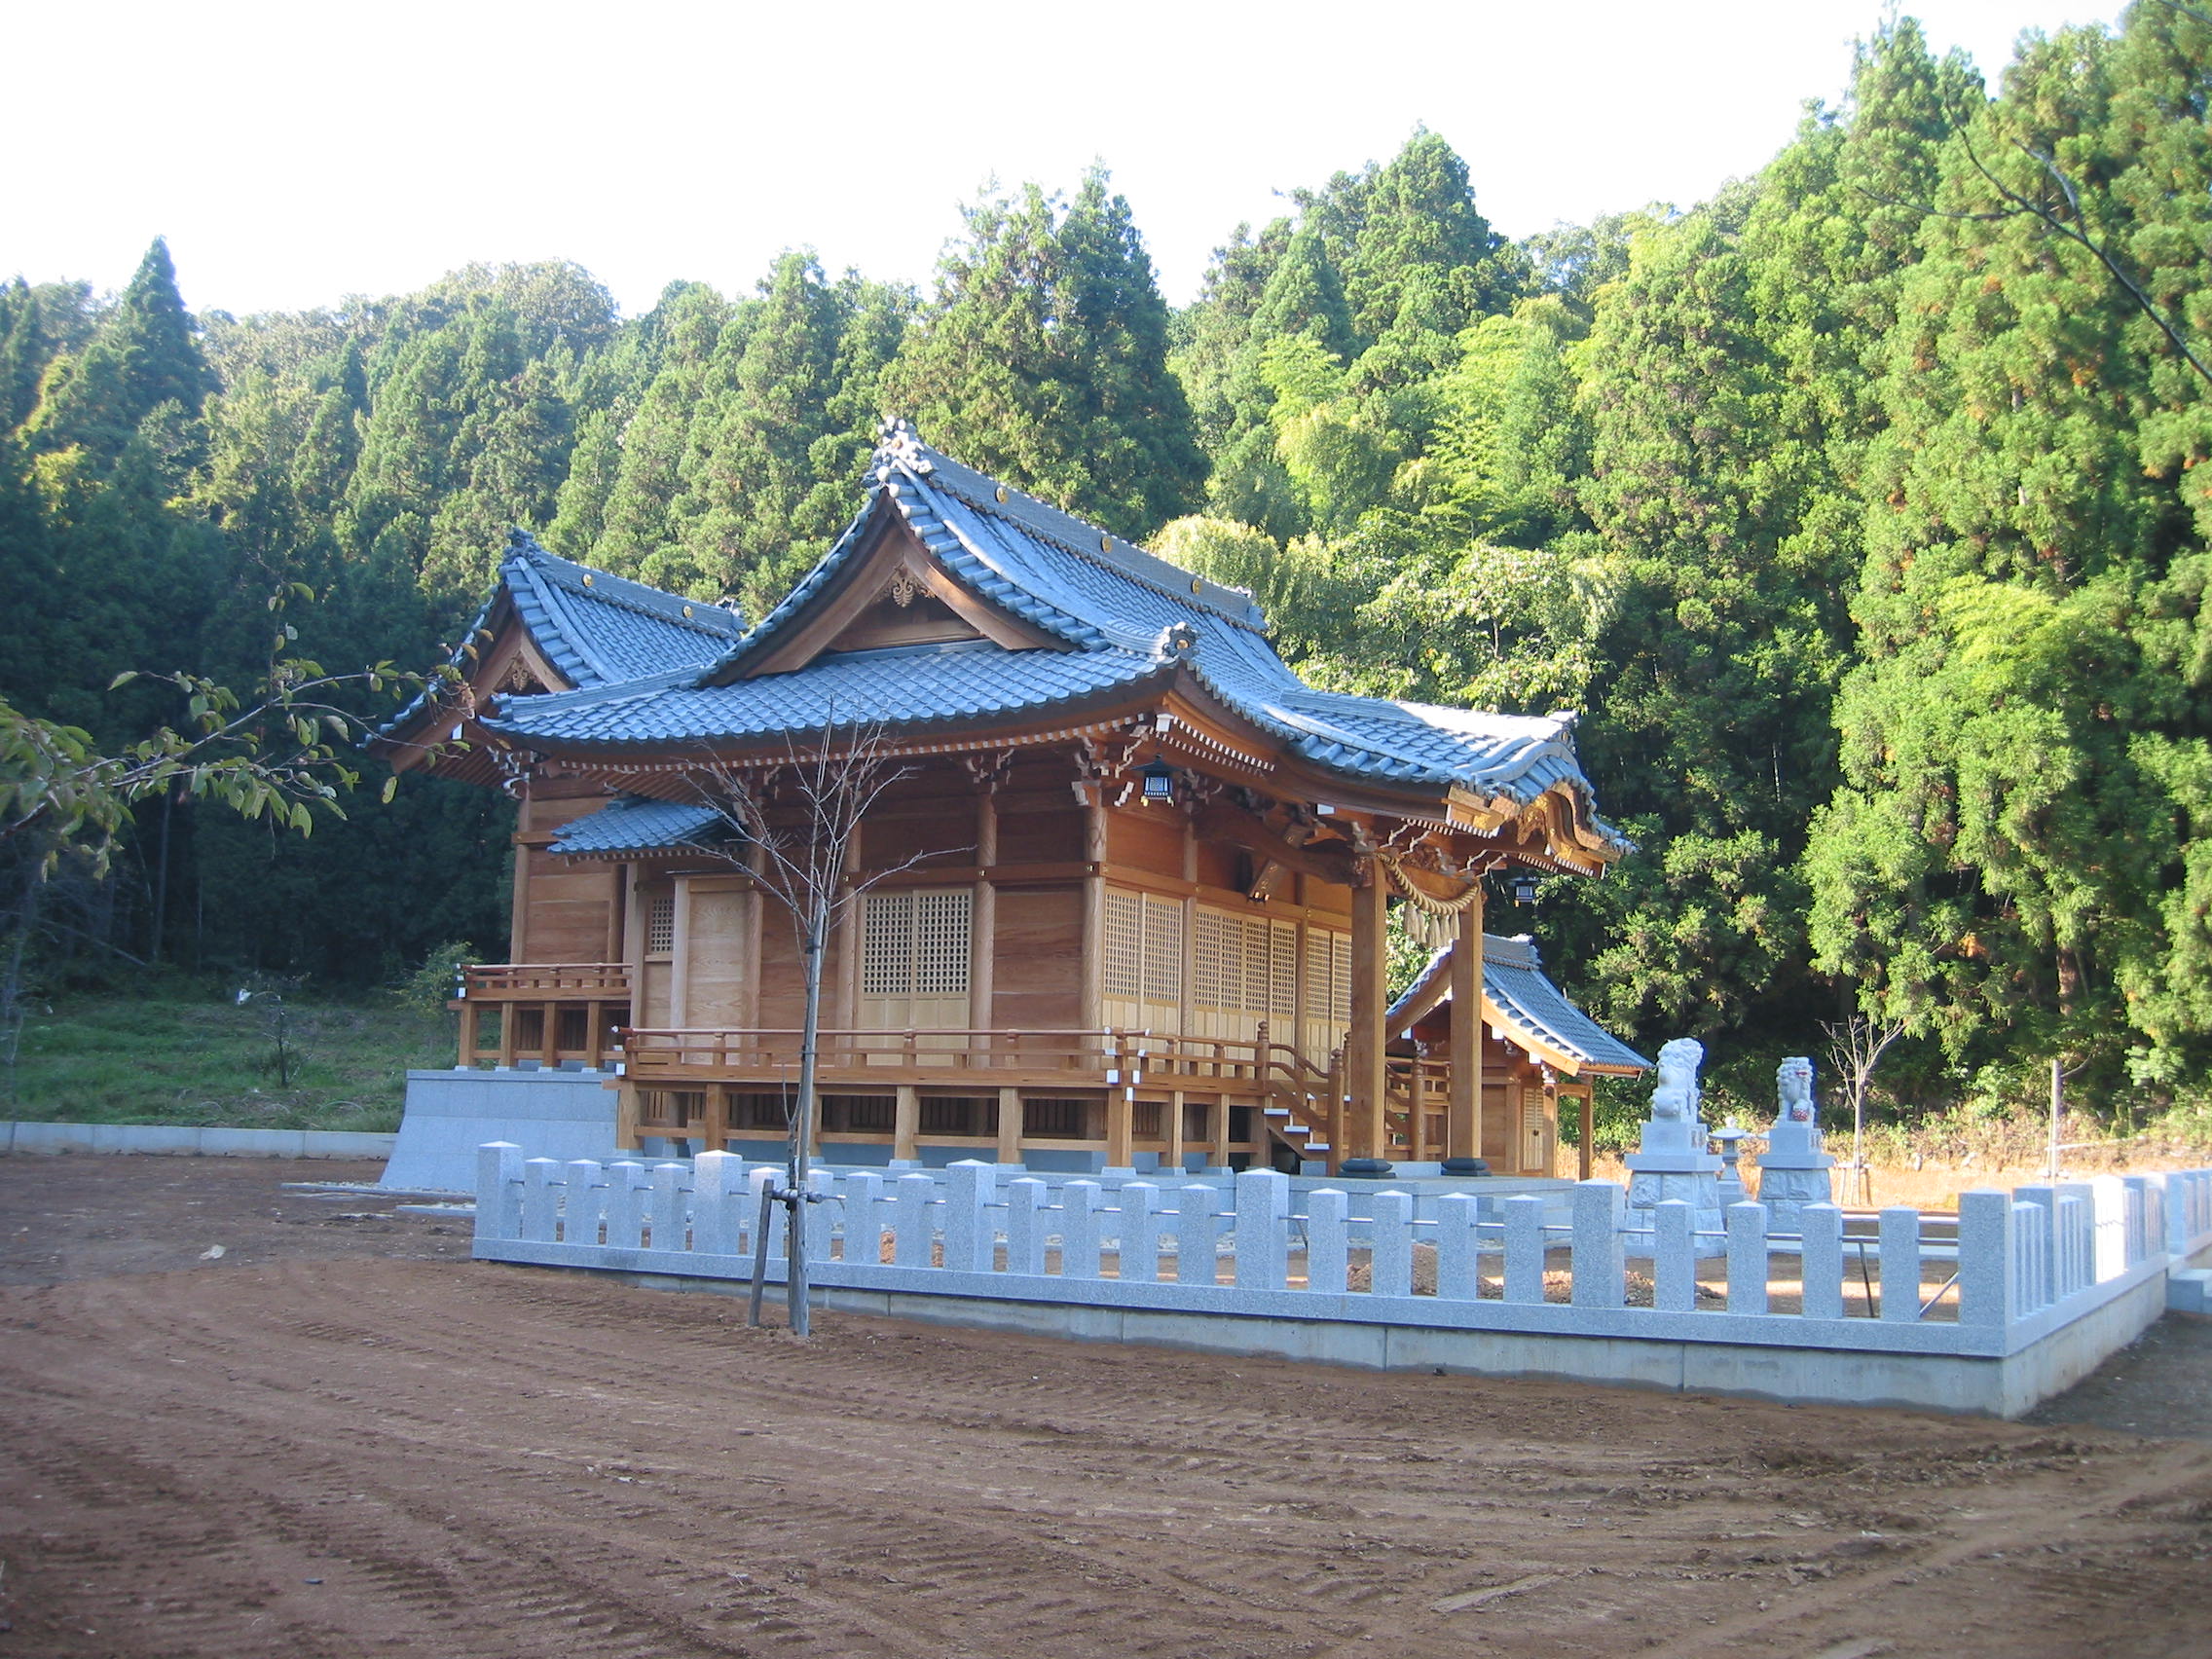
721,945
1147,838
652,1009
1038,971
783,994
1038,827
1221,864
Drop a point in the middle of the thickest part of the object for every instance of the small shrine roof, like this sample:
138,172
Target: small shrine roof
1533,1013
638,824
598,628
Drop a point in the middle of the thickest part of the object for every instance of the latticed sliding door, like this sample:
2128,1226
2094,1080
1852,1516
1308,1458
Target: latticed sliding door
1328,992
1142,974
914,955
1243,969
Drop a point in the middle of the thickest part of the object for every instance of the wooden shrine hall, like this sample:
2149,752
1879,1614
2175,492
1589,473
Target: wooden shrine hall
1126,890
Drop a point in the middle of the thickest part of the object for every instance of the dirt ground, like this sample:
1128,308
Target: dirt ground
341,1437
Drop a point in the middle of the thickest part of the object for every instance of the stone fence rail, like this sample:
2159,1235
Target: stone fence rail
2028,1264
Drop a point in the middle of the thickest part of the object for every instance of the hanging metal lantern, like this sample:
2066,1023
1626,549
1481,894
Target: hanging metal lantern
1159,780
1525,889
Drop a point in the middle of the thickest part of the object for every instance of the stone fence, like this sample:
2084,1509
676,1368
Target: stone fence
2031,1291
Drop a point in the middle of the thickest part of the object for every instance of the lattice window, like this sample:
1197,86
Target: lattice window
1123,975
1339,976
916,943
1214,970
1162,950
1317,976
942,936
1259,965
660,925
1282,1000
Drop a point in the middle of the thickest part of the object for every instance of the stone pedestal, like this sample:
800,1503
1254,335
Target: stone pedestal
1794,1170
1670,1164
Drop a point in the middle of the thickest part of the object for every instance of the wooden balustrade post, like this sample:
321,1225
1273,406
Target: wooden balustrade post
1338,1152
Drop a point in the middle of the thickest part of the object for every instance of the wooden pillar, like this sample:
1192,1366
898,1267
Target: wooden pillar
1363,1040
679,957
518,898
1551,1124
906,1123
1220,1124
617,893
749,999
468,1018
1583,1154
625,1113
1463,1104
1093,1011
982,949
507,1024
1416,1113
1121,1136
595,1027
1010,1125
715,1132
1175,1132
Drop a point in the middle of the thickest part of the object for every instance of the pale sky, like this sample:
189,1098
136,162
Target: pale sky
298,151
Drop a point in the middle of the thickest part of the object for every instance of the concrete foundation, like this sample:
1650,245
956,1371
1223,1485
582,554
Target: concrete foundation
168,1140
1996,1385
548,1113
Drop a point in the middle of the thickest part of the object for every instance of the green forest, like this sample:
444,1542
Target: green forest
1857,508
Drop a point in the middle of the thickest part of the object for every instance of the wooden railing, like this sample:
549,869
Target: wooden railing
535,981
548,1011
685,1072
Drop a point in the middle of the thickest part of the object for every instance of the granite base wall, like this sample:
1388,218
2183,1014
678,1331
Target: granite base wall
2006,1387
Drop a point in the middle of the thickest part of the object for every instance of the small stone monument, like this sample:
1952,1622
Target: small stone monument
1732,1188
1672,1161
1794,1170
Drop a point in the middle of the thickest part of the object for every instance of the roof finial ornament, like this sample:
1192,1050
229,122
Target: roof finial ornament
901,445
1178,642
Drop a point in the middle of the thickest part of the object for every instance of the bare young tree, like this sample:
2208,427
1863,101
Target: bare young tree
795,823
1855,1046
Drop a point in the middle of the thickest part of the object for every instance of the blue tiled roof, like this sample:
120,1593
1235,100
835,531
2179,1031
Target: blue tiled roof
639,824
902,687
598,628
1532,1011
592,626
1118,614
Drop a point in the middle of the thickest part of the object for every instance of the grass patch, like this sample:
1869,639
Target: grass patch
190,1056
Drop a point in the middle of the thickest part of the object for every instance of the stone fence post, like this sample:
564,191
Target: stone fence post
499,1190
1263,1240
